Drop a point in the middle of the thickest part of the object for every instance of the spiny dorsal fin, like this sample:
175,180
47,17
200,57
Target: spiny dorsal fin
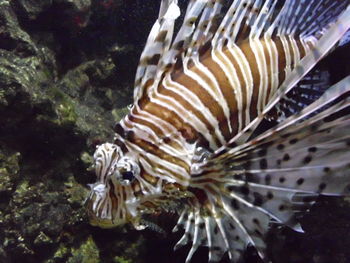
329,38
156,58
158,43
208,25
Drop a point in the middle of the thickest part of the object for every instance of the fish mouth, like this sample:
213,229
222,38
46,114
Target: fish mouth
100,220
103,211
108,222
103,223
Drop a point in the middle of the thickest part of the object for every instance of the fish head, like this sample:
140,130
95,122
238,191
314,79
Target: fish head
112,200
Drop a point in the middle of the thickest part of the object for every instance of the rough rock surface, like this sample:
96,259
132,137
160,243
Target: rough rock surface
63,84
66,73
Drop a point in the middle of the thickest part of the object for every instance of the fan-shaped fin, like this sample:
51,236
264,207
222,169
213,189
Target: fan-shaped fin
345,39
223,227
274,176
309,89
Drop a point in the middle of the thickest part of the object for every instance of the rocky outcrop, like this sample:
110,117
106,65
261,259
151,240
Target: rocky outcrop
59,97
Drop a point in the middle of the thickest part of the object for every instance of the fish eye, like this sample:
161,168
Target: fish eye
124,177
126,171
127,176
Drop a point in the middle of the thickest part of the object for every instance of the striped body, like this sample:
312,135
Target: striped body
186,144
207,102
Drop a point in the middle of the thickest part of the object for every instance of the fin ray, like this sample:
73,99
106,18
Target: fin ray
327,41
261,180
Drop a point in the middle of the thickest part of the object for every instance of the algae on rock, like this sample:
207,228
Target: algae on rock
54,109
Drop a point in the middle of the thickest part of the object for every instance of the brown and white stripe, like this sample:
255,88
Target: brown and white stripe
199,90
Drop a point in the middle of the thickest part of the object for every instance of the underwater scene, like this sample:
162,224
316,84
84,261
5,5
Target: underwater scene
173,131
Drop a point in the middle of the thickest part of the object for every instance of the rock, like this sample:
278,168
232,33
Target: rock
53,112
42,239
13,38
61,255
9,168
86,253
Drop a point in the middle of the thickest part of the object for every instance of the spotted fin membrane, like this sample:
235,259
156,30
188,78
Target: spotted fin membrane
250,183
273,176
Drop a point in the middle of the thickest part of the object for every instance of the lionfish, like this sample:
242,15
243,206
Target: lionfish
192,140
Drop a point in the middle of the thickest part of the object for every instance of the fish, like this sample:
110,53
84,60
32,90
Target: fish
192,142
